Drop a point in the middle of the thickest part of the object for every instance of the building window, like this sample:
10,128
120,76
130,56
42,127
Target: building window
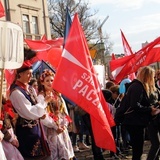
26,28
35,25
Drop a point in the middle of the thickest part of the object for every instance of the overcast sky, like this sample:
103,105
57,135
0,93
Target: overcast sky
138,19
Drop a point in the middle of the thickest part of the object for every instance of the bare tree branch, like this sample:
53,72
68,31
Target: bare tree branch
57,14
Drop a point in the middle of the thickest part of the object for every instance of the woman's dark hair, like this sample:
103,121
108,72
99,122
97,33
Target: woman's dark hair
109,84
107,94
33,80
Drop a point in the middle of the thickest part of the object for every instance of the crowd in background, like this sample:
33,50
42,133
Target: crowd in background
40,123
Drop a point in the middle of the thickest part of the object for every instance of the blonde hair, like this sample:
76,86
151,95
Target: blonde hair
146,76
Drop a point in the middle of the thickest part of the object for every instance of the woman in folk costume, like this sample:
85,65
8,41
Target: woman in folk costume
58,137
28,128
10,142
2,154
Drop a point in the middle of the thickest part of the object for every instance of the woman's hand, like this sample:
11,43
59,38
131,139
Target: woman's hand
15,143
60,130
43,117
48,98
155,111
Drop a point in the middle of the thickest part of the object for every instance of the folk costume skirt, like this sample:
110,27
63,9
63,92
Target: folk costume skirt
31,142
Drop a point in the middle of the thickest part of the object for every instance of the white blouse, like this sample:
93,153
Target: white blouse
24,107
47,121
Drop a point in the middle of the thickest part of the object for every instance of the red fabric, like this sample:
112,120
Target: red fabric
1,125
26,64
127,52
57,42
42,55
53,116
113,56
9,76
2,11
37,45
43,46
8,107
54,56
44,38
130,64
69,119
77,80
126,46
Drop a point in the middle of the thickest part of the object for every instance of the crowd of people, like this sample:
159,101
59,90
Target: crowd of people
40,123
143,100
36,120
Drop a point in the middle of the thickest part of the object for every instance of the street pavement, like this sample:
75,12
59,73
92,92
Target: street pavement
87,154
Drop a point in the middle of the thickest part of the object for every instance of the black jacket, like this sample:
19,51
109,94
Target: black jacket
139,103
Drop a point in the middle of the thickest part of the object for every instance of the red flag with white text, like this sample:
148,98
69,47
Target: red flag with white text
77,80
129,64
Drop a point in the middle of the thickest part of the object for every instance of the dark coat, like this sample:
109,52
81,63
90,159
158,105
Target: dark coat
154,98
139,103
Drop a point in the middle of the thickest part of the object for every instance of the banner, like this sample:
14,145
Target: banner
129,64
11,45
77,80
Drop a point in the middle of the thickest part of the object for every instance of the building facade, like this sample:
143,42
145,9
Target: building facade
31,15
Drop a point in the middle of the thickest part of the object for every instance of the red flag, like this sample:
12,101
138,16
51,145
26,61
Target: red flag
37,45
77,80
57,42
40,47
127,51
129,64
2,11
10,77
113,56
43,46
126,46
44,38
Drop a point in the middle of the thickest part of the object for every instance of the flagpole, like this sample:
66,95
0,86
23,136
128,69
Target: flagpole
2,77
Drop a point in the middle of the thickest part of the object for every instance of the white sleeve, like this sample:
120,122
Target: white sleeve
24,107
49,122
40,98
